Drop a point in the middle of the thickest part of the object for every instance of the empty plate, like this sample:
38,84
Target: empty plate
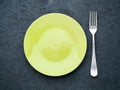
55,44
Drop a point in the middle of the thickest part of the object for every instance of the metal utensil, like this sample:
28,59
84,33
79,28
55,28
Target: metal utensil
93,30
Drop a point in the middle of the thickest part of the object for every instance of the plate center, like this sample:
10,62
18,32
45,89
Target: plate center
56,44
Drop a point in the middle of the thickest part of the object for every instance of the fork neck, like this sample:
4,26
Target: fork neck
93,33
93,36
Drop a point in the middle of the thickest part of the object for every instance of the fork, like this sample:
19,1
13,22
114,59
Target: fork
93,30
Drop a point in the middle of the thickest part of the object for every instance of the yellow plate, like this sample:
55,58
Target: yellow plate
55,44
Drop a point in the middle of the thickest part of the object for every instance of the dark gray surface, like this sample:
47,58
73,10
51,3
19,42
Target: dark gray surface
17,74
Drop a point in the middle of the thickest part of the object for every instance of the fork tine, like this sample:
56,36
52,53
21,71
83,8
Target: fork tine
93,18
94,15
96,18
90,19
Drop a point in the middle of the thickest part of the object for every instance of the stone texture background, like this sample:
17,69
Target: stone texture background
17,74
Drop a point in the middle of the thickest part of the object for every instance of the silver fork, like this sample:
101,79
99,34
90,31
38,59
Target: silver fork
93,30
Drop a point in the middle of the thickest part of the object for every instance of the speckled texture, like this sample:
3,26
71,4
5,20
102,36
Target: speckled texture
17,74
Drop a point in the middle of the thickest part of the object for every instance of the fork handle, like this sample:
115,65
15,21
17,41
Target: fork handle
93,69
